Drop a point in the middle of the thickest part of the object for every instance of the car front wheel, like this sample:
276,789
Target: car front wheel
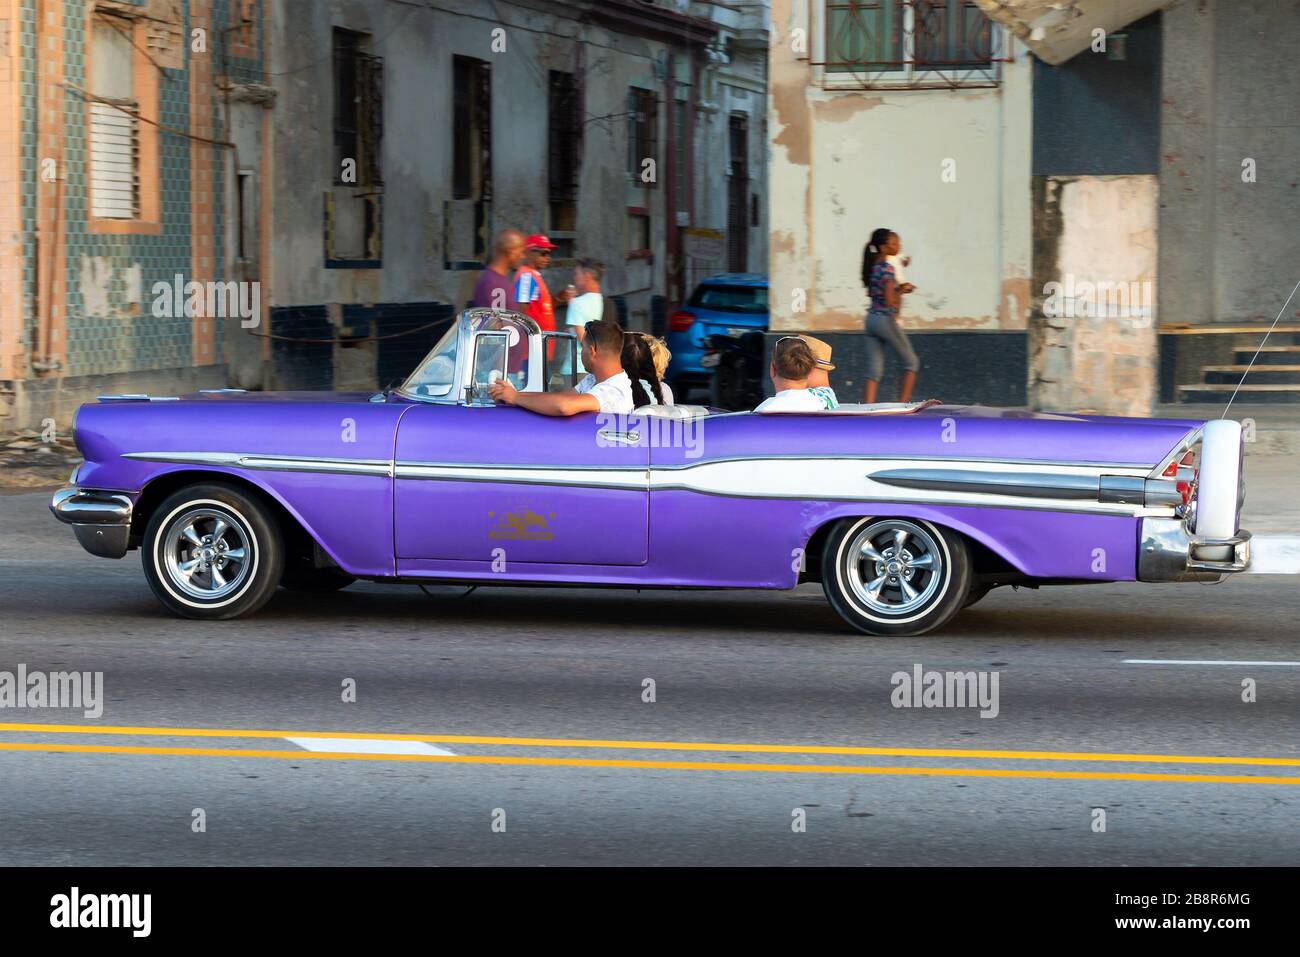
302,575
212,551
895,576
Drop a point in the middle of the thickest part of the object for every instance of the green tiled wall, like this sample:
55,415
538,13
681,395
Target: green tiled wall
122,342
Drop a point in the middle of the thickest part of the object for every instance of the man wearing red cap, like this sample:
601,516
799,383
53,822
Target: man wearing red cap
530,288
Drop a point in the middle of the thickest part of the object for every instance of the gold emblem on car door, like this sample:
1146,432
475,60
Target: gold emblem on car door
526,525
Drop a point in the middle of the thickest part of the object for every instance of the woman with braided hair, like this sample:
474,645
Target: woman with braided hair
639,364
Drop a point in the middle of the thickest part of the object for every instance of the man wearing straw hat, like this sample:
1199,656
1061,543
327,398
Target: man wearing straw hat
819,383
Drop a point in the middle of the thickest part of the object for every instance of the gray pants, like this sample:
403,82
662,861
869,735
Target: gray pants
884,330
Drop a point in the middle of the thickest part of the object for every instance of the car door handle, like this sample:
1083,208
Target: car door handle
620,438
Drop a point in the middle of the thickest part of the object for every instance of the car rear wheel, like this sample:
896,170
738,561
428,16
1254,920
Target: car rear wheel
212,551
895,576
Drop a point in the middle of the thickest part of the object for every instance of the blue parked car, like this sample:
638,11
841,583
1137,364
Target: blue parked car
729,304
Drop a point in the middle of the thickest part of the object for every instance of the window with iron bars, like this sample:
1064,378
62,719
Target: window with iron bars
471,132
643,135
358,110
908,44
564,158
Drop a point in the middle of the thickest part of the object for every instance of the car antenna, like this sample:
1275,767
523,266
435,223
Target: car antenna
1260,349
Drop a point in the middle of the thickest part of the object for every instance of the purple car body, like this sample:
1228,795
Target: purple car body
398,487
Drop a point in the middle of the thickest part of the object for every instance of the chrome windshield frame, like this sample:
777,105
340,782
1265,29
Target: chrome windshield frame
467,325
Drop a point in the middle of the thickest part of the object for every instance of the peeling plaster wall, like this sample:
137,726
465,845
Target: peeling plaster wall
1095,229
845,162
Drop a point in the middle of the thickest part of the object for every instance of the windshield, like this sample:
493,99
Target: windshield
492,340
747,299
436,375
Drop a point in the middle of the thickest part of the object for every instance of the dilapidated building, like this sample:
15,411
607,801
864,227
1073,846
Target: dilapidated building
1100,198
276,194
628,132
118,190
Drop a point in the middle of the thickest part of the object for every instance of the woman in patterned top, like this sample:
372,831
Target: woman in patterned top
882,319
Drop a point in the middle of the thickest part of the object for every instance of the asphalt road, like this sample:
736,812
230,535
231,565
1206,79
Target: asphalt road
775,673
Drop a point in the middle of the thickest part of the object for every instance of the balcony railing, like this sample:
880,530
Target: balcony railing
909,44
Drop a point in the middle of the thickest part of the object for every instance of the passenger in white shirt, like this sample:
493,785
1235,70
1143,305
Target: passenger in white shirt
614,393
792,360
606,389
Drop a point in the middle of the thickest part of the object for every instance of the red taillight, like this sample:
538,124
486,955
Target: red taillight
1185,490
1171,470
680,321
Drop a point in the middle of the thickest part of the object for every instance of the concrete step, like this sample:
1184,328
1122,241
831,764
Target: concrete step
1269,355
1267,374
1251,340
1250,392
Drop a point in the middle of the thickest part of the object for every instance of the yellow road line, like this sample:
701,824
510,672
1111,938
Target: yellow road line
646,765
617,744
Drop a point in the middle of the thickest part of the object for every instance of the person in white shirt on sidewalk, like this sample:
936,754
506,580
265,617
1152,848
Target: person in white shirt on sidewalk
589,302
792,360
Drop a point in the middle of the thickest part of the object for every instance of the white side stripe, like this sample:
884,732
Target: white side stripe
847,479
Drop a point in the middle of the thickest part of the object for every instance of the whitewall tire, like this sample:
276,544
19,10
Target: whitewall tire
212,551
895,576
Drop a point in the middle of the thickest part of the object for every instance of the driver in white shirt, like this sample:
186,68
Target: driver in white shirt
606,389
792,361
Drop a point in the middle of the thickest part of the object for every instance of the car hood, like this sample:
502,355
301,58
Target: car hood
114,435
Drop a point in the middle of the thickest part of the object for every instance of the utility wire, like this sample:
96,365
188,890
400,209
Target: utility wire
1260,349
144,119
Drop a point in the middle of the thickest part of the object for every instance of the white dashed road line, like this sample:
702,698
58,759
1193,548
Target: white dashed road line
366,746
1179,661
1275,555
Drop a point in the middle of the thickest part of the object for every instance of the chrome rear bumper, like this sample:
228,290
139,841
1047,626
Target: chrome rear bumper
1170,553
100,520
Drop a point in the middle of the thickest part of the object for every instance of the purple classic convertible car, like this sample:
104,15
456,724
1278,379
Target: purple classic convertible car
905,513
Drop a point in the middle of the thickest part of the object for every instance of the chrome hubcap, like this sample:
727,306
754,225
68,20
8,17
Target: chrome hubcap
207,553
895,567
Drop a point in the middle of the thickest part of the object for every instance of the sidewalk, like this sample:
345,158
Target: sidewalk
1276,425
28,462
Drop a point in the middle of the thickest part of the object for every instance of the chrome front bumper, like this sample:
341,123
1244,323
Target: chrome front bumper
1170,553
100,520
